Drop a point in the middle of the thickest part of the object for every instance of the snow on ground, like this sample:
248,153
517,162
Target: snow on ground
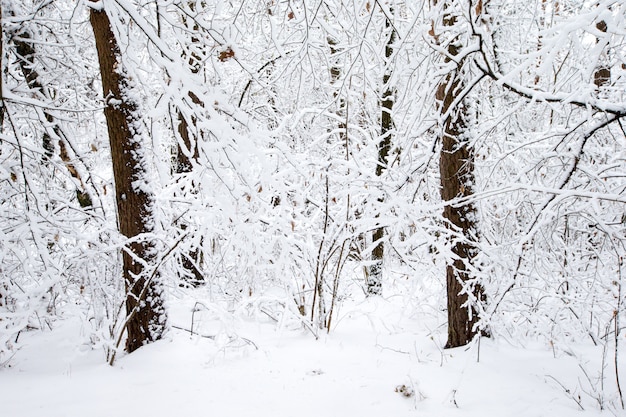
364,367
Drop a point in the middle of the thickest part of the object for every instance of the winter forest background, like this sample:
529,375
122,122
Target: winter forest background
287,161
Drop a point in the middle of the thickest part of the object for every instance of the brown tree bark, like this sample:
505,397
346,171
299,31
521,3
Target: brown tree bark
146,317
183,165
189,139
187,144
456,166
375,276
52,130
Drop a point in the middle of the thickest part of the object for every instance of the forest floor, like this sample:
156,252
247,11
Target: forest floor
377,361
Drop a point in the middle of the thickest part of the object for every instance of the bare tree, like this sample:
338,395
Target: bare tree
53,131
375,276
456,166
146,317
187,152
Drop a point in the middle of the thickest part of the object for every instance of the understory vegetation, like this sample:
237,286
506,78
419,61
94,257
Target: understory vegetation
286,156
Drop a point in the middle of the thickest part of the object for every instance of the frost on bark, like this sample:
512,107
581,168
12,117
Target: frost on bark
375,275
187,149
187,154
144,295
187,144
456,166
183,165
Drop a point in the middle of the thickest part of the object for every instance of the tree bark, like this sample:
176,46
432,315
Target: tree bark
456,170
146,315
375,276
187,144
52,130
456,166
183,165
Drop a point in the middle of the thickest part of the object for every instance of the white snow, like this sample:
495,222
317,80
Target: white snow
255,368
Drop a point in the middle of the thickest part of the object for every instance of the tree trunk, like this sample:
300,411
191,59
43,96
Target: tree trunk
186,154
456,166
375,275
183,165
456,171
52,130
146,316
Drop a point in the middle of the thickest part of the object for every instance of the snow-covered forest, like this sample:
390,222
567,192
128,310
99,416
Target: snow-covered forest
313,207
